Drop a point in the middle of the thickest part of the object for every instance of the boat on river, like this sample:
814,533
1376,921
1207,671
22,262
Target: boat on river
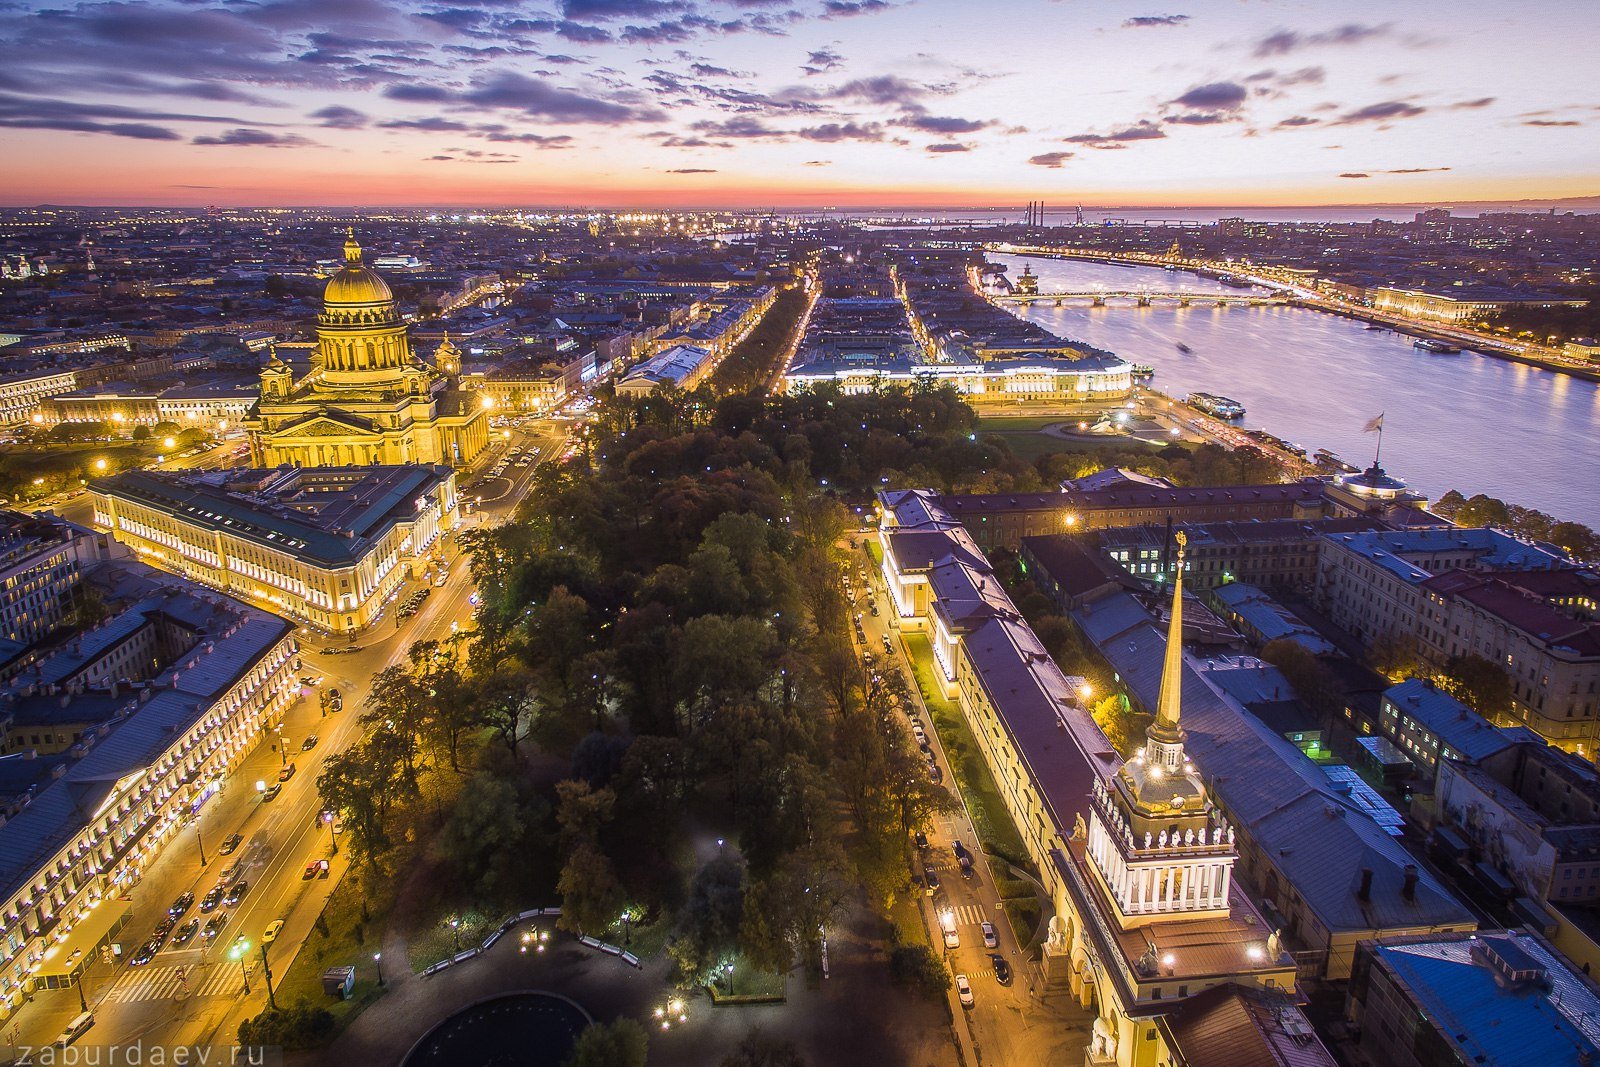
1438,348
1143,372
1216,405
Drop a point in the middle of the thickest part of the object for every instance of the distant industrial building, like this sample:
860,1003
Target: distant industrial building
326,545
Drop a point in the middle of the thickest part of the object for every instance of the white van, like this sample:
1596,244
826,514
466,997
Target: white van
75,1029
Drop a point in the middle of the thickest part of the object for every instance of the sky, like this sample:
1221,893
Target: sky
795,103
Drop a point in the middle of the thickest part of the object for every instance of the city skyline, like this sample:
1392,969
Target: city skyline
750,103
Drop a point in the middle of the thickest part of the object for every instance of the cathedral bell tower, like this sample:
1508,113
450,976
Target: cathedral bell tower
1159,847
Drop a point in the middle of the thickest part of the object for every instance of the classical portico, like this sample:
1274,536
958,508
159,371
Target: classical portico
368,398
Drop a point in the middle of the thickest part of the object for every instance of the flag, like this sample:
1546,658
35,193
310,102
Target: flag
1374,425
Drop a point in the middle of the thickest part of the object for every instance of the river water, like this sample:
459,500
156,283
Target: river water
1467,422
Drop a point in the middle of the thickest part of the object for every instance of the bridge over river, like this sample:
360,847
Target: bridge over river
1145,298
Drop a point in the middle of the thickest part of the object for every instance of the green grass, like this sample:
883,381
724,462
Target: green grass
1024,916
350,942
748,984
993,422
438,940
996,832
875,550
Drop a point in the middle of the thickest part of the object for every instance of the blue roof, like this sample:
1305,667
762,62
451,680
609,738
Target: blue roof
1455,724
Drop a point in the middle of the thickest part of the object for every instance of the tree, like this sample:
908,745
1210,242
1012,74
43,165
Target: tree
620,1043
915,967
1480,683
759,1050
591,894
299,1026
708,923
484,825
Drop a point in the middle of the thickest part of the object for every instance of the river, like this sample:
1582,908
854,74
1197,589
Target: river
1468,422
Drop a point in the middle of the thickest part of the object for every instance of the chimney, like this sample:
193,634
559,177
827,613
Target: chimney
1409,889
1365,892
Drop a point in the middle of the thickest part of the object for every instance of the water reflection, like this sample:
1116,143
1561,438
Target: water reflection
1526,435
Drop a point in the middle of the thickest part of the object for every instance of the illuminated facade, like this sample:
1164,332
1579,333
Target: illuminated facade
367,399
328,545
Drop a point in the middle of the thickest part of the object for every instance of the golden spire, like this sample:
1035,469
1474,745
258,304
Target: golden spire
352,250
1170,704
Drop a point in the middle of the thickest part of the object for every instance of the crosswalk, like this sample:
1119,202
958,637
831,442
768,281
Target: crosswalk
969,914
165,983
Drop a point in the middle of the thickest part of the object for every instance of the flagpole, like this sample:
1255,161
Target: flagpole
1379,453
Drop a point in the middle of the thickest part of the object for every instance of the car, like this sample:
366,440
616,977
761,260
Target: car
1002,969
921,839
930,879
309,743
964,991
213,899
934,773
315,869
181,905
213,925
887,647
331,650
951,938
164,927
441,580
989,940
237,893
920,734
271,792
286,772
146,953
230,872
270,934
185,933
231,842
312,680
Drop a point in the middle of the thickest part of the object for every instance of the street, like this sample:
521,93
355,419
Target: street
195,993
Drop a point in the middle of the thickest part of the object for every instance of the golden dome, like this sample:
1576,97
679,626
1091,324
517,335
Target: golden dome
355,283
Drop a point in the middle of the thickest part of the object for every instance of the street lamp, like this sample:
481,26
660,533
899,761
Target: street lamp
261,789
266,970
377,957
455,931
199,840
333,836
283,756
237,952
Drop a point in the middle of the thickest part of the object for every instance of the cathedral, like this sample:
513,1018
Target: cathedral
367,399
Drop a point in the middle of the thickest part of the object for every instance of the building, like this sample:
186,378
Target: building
148,711
41,563
367,398
1457,591
328,545
1465,306
678,367
1429,725
1062,375
1002,520
1529,814
22,394
1238,1026
1263,620
1503,999
1137,862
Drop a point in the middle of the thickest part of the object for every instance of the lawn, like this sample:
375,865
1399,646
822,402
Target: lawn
350,941
996,832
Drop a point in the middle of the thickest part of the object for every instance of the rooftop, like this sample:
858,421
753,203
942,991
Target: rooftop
1456,725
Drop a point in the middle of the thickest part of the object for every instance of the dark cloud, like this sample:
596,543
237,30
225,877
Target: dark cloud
711,70
419,94
947,146
884,89
1482,101
1201,118
840,9
1155,20
822,61
1552,122
671,140
818,163
1215,96
944,124
432,159
340,118
1354,174
692,170
832,132
139,131
25,112
1416,170
1052,160
253,139
531,96
1140,131
1285,79
1283,42
538,140
606,10
743,128
1384,112
1297,120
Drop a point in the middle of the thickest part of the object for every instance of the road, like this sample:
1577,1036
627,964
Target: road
195,994
1011,1025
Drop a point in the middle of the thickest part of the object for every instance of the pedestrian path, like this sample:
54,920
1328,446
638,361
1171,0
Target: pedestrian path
166,983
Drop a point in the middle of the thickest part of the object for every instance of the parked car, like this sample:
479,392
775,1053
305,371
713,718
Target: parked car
964,991
1002,969
921,839
930,879
309,743
286,772
989,940
181,905
271,792
270,934
315,869
231,842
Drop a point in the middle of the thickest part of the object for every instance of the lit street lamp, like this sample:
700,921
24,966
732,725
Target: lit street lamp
266,970
377,957
455,932
237,952
200,841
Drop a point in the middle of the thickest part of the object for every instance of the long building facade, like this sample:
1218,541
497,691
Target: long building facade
328,546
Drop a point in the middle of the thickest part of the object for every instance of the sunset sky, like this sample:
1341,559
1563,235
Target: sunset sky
679,103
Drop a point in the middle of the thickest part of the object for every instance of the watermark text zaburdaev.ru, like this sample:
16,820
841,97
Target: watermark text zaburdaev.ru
140,1054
